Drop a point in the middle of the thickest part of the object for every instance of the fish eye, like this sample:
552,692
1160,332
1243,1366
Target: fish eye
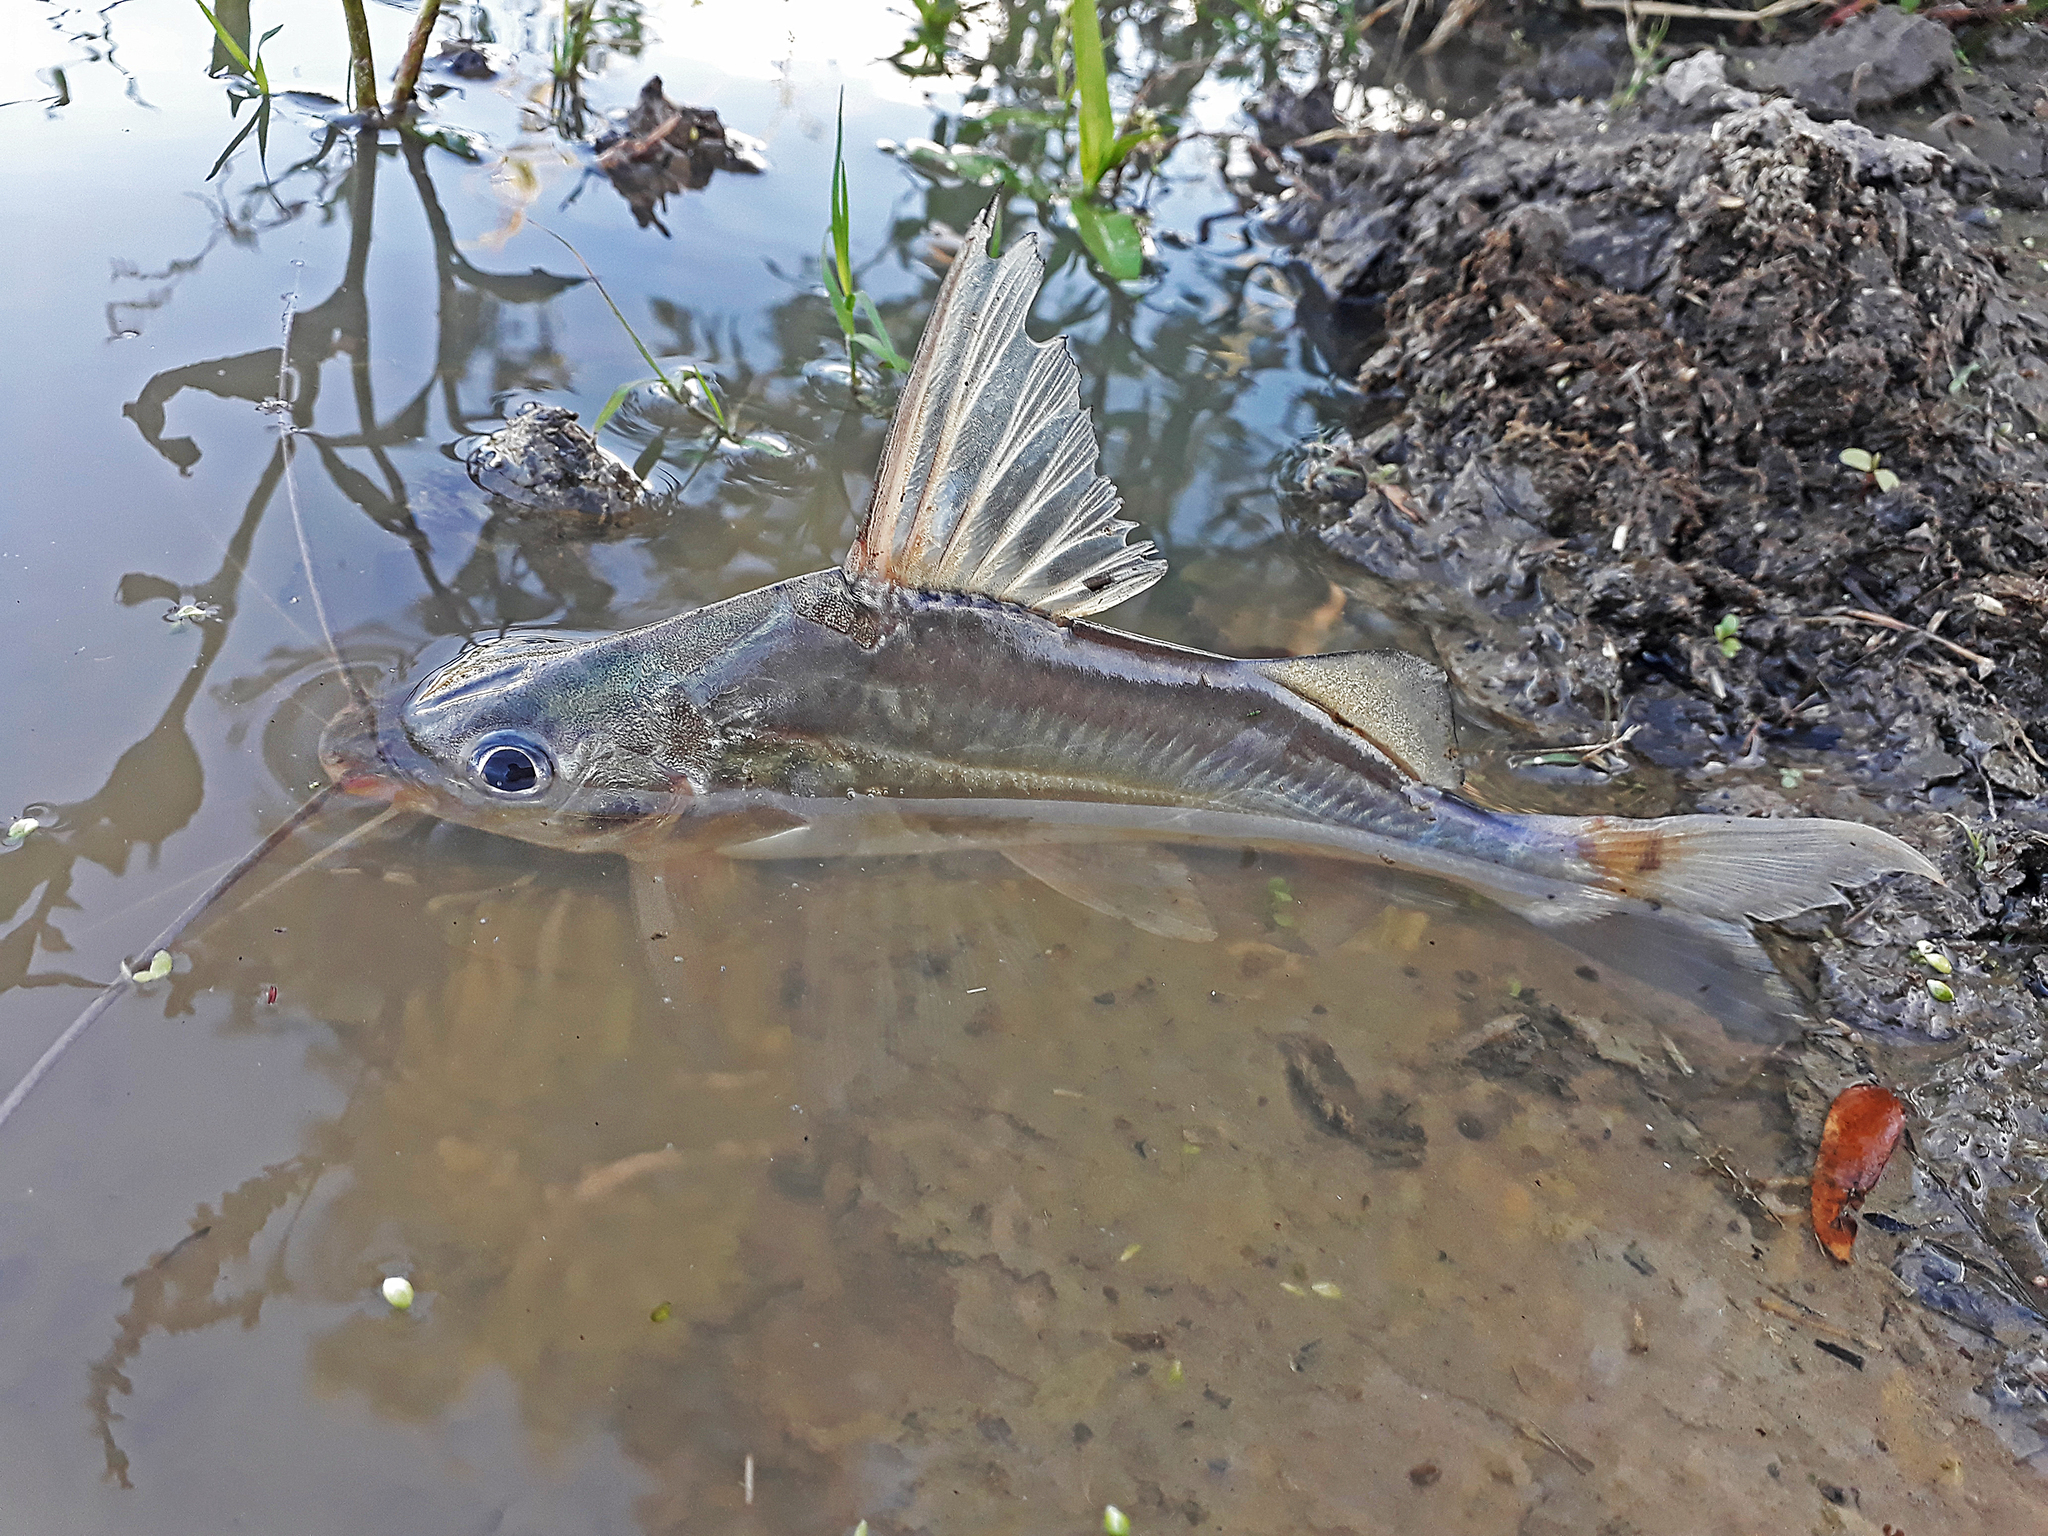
511,767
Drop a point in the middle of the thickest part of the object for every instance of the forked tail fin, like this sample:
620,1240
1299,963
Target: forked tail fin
1736,868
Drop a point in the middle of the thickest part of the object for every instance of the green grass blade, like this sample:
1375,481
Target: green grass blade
234,144
1091,84
228,42
880,344
842,205
639,346
612,405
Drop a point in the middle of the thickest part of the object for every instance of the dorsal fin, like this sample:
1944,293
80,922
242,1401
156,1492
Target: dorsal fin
988,483
1398,702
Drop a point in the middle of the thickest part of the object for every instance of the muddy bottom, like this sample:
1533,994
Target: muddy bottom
955,1206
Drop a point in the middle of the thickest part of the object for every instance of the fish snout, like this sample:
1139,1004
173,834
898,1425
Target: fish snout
350,756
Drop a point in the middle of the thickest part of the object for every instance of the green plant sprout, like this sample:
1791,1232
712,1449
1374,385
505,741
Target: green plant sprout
1726,633
1871,466
1645,47
850,302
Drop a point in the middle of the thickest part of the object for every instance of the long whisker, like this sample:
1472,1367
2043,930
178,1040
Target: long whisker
288,442
347,839
164,940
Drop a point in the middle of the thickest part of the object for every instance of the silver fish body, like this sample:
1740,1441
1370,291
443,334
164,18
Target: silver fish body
946,687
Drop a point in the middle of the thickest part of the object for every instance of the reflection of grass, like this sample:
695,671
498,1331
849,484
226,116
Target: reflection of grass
931,36
1110,234
850,302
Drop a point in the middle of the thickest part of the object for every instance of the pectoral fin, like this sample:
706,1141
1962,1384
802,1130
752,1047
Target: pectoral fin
1398,702
1147,887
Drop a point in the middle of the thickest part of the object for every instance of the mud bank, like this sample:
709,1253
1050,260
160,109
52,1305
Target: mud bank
1601,470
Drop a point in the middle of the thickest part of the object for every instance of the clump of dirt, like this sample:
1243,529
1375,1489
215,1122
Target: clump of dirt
544,461
1723,423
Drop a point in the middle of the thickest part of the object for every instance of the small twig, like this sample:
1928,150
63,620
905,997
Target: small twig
1699,12
633,149
1813,1322
1984,664
1586,755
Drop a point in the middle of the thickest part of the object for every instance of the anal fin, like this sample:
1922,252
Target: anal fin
1147,886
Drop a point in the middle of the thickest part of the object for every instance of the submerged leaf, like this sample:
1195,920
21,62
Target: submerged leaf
1863,1126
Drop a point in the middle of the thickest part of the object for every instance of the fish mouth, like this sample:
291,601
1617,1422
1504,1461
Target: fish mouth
357,757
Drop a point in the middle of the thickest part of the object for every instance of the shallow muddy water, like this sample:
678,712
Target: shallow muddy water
905,1191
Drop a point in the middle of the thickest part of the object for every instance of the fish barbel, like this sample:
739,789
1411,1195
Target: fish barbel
945,687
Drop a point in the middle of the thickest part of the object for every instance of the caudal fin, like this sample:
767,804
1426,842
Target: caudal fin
1735,868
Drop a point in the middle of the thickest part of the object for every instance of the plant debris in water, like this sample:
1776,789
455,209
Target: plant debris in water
1863,1126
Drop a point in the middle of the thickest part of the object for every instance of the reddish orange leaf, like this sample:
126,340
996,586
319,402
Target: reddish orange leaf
1863,1126
1401,502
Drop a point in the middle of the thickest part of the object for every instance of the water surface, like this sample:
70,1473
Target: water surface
947,1202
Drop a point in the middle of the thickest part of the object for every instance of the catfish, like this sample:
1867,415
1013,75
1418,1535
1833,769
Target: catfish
947,686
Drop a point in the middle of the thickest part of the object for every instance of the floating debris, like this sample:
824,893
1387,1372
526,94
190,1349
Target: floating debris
158,968
192,614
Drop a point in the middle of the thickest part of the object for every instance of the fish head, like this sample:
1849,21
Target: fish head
564,742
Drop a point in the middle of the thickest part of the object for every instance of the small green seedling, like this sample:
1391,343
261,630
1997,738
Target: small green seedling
850,302
1871,466
1925,952
18,831
661,1314
1726,633
1115,1522
1329,1290
1279,902
398,1293
1940,991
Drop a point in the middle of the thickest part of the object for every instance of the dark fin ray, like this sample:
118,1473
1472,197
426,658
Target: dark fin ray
988,483
1398,702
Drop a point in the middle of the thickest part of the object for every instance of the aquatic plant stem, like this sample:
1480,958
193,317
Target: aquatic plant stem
406,82
362,70
171,934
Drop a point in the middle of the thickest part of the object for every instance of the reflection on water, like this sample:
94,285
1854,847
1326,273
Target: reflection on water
949,1203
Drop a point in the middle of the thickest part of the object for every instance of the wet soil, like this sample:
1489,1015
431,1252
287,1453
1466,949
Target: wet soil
1601,469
